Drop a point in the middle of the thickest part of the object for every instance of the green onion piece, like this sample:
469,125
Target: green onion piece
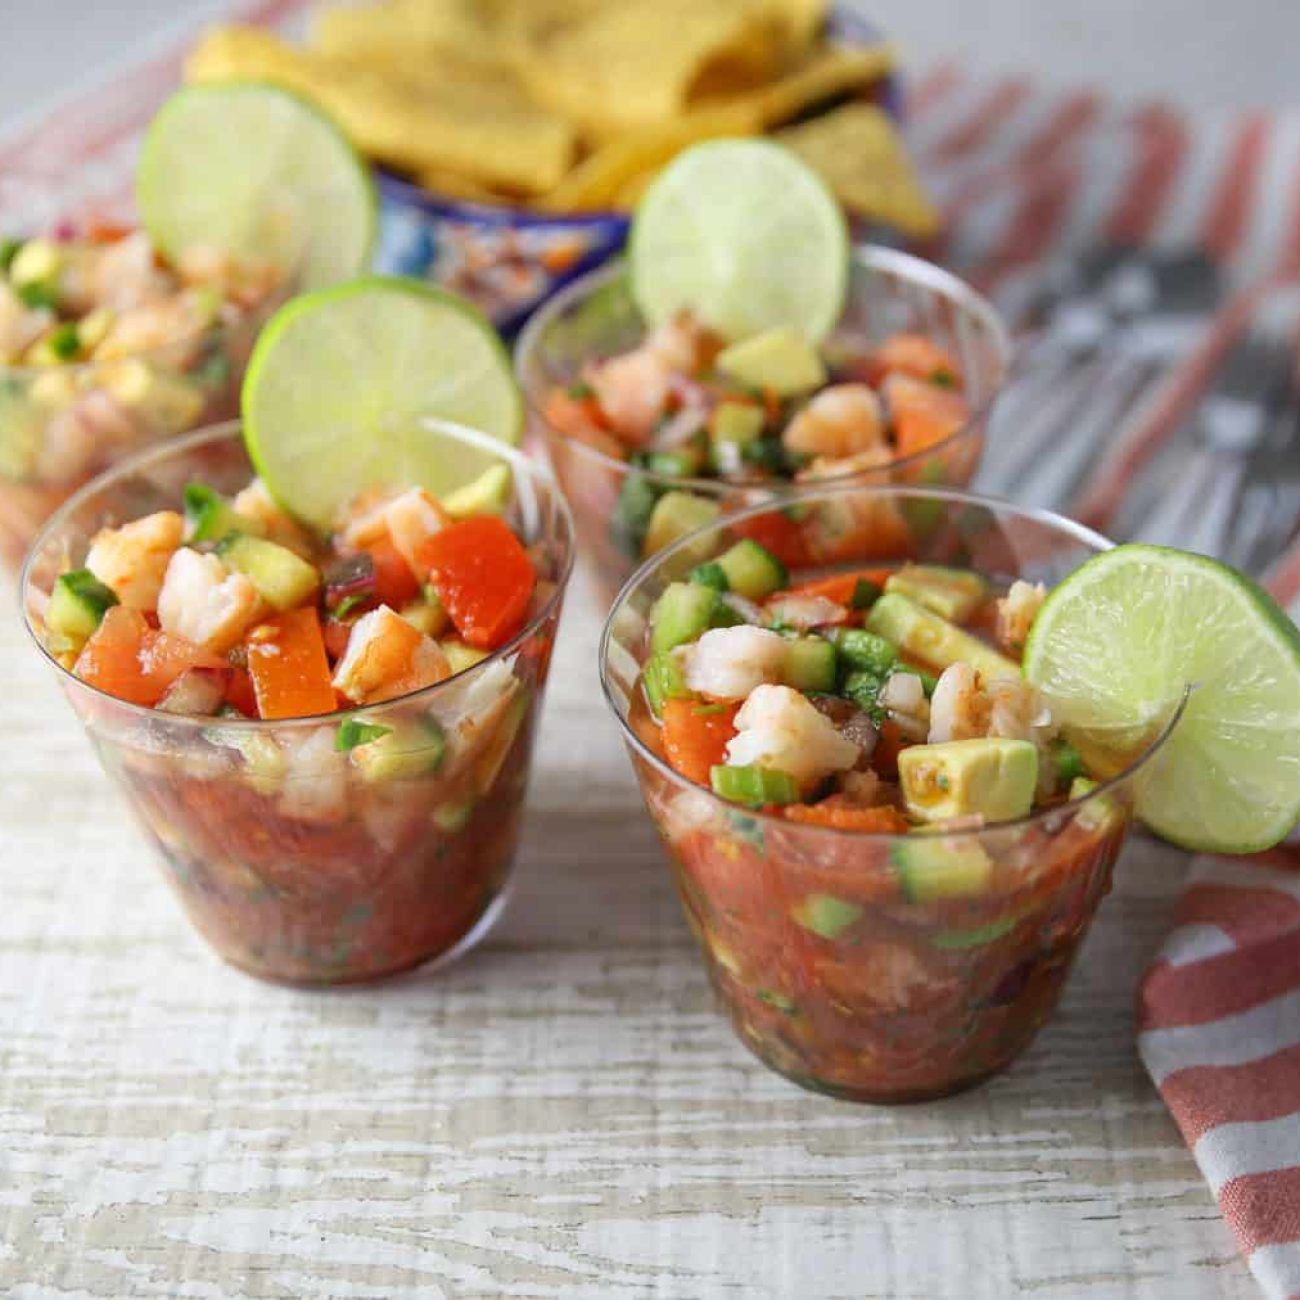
581,390
350,603
38,294
943,378
64,341
353,732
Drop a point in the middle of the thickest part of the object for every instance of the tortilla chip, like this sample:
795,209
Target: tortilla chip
452,185
621,68
860,156
800,21
457,31
827,73
484,128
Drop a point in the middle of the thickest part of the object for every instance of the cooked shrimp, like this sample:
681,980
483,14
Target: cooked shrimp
256,502
205,602
151,325
412,519
778,728
633,392
124,275
20,326
964,707
842,420
1017,611
804,612
684,344
241,280
874,462
727,663
315,782
903,696
81,436
387,657
133,559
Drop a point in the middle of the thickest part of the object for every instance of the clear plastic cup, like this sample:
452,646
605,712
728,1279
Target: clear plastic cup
880,967
61,425
298,862
889,292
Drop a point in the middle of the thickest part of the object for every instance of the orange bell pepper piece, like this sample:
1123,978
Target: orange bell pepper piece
841,586
483,576
695,736
918,356
286,660
922,414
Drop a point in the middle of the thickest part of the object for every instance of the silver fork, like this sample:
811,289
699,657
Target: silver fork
1198,508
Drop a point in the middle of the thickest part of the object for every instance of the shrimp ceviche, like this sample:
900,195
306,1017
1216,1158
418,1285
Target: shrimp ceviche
896,922
105,346
768,410
378,835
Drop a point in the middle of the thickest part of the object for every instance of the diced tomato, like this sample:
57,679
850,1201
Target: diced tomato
840,815
395,584
129,659
780,534
288,667
840,587
336,633
695,736
918,356
483,576
100,230
240,694
922,414
581,419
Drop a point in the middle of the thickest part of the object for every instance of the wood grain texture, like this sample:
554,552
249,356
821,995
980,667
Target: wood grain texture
563,1113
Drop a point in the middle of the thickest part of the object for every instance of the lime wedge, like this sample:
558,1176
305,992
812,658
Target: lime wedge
256,172
340,379
1116,645
746,236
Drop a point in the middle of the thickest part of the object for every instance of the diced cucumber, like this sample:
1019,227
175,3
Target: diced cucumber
682,612
632,510
663,680
811,664
863,688
865,651
77,606
954,594
931,867
284,580
752,570
977,938
427,616
990,775
753,786
675,514
711,575
461,656
412,748
779,359
924,635
738,423
353,732
1069,764
210,517
865,594
826,915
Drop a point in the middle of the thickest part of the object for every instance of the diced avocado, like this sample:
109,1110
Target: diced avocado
811,664
77,606
452,818
461,656
991,776
977,938
674,464
489,494
164,400
924,635
38,261
736,422
682,612
826,915
663,680
955,594
1081,786
930,867
865,651
1097,814
674,515
412,748
779,359
632,511
93,328
210,517
284,580
752,785
752,570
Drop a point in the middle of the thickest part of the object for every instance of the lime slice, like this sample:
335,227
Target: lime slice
340,379
746,236
1116,645
257,172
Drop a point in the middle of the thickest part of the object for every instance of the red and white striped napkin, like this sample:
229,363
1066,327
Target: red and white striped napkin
1025,176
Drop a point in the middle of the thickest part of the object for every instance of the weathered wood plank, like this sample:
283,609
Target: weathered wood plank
561,1114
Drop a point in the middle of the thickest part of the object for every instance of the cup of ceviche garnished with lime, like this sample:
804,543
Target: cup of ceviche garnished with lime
745,349
893,789
112,337
311,649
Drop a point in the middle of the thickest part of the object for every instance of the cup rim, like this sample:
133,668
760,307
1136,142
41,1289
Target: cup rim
867,255
222,328
537,474
1036,514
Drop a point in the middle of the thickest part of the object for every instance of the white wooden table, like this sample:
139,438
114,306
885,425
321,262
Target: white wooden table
561,1114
